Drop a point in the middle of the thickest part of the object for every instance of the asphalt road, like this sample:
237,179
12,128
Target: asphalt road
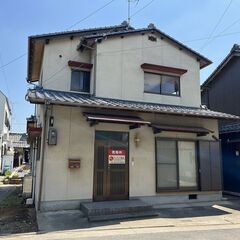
231,234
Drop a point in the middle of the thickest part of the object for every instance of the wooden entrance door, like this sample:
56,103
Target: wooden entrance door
111,166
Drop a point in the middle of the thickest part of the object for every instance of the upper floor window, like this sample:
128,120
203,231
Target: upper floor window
80,81
161,84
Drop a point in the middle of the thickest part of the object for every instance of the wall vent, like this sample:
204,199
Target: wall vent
192,196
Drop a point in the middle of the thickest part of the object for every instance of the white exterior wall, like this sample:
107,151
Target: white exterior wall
116,74
4,130
55,73
116,69
76,140
120,76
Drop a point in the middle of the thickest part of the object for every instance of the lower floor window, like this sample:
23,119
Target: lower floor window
176,164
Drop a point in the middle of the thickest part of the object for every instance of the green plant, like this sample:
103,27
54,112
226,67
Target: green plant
7,173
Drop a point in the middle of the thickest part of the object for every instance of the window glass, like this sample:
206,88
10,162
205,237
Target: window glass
170,85
80,81
166,164
161,84
176,164
151,83
187,164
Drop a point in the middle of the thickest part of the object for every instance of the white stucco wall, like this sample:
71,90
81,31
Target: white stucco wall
55,73
116,71
120,76
76,140
4,130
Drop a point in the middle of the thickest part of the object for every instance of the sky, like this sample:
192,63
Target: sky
210,27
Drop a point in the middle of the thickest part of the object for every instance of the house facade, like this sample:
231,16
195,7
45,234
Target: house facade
220,92
20,147
5,126
119,116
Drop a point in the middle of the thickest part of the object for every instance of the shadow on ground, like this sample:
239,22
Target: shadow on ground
70,220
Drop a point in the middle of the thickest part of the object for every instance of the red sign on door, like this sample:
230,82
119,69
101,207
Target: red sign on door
116,156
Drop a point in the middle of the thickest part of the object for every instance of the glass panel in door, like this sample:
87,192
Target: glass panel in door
187,164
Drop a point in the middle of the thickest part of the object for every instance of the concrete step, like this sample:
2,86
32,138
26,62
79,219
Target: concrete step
120,216
114,207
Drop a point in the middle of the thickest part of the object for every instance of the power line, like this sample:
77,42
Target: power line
217,24
51,79
141,9
91,14
13,60
83,19
4,77
224,30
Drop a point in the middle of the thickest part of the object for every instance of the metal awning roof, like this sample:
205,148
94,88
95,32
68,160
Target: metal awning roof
200,131
133,121
42,96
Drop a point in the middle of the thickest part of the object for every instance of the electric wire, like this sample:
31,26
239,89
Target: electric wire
90,14
76,23
223,31
141,9
13,60
51,79
4,77
217,24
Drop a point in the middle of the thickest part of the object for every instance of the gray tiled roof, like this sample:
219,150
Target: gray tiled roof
235,52
18,140
87,31
230,128
41,96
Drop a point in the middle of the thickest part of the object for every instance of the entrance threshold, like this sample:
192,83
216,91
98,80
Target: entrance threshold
112,210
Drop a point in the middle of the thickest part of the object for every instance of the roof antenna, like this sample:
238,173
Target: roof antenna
129,9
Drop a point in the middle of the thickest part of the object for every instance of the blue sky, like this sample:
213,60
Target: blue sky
185,20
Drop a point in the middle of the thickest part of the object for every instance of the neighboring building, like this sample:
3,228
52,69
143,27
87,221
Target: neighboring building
20,147
220,92
5,126
119,116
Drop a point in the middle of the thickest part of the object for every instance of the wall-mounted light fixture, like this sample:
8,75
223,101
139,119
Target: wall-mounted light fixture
137,140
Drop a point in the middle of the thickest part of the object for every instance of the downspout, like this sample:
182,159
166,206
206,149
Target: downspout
34,163
42,156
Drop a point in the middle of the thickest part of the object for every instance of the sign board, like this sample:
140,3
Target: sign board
116,156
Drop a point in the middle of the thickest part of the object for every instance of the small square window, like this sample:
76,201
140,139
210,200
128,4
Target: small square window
80,81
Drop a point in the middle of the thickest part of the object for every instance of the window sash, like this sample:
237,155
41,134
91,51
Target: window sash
80,81
161,84
182,164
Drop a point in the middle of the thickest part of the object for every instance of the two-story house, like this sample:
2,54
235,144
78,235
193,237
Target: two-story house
5,125
119,110
220,92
